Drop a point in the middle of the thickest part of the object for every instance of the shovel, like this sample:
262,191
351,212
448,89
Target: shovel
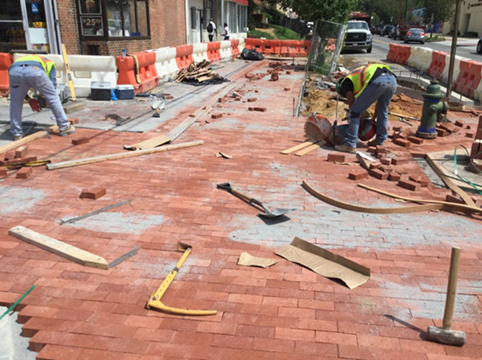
267,212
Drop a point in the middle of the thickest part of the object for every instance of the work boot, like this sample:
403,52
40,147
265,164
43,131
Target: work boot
68,131
374,142
17,137
345,148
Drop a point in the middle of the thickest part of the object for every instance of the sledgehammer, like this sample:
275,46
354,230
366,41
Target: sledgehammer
445,334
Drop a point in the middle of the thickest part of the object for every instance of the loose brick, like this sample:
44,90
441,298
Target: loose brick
192,115
262,109
391,134
24,173
3,171
441,132
288,72
93,194
168,97
19,161
287,89
405,134
385,161
400,161
237,99
380,155
415,140
469,135
358,175
409,185
468,127
418,153
379,174
252,99
381,149
459,123
274,77
216,116
397,128
402,142
335,158
375,165
250,108
80,141
204,107
21,152
221,100
372,149
73,121
454,199
393,176
387,169
9,156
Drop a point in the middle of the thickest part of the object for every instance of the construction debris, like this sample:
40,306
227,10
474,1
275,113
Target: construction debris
248,260
199,73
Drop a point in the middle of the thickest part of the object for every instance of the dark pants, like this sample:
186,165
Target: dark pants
226,37
211,38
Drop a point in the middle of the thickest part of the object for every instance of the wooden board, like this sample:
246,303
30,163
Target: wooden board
297,147
60,248
27,139
121,155
149,143
311,148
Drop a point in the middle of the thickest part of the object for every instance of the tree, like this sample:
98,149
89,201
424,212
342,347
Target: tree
441,10
311,10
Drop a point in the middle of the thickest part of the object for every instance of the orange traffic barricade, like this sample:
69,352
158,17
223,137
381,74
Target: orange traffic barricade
214,51
5,61
138,70
184,56
437,65
469,77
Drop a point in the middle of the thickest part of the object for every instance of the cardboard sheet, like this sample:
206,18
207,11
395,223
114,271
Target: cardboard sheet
325,263
247,260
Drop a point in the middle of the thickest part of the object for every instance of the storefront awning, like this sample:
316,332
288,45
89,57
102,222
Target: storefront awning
242,2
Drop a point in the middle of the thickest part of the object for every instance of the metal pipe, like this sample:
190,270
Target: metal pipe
453,50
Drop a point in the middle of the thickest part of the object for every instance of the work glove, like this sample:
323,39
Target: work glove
34,105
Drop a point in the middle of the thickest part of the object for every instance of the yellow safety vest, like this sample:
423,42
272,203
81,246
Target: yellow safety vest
361,76
46,63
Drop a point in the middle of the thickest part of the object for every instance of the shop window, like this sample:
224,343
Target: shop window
115,19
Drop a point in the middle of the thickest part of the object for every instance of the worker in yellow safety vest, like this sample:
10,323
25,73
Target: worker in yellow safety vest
362,87
38,72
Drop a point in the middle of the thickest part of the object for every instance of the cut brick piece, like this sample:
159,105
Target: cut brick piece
216,116
387,169
24,173
415,140
93,194
385,161
252,99
469,135
262,109
80,141
335,158
358,174
375,165
414,178
381,149
400,161
459,123
454,199
221,100
3,171
168,97
409,185
73,121
9,156
287,89
402,142
418,153
192,115
21,152
288,72
372,149
379,174
397,128
393,176
405,134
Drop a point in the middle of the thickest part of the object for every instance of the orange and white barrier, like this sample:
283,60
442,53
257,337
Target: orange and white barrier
166,64
139,71
214,51
184,56
225,50
200,52
5,61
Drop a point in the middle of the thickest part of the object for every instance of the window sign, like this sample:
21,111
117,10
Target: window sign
92,26
90,7
34,8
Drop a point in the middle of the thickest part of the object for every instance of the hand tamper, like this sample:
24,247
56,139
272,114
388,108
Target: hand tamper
445,334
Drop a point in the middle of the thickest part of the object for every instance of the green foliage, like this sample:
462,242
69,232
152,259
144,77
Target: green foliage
311,10
435,38
472,34
274,15
442,10
259,34
283,33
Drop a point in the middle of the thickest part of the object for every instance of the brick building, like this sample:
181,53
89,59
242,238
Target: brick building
105,27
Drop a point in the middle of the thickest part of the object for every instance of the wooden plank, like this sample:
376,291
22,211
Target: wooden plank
311,148
60,248
450,184
297,147
121,155
27,139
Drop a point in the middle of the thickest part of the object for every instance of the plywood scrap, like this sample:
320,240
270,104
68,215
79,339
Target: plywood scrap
297,147
60,248
311,148
371,210
246,259
325,263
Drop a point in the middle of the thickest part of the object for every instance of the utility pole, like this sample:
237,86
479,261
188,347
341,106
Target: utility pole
400,12
454,48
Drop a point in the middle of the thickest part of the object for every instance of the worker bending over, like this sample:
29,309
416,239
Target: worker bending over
362,87
34,71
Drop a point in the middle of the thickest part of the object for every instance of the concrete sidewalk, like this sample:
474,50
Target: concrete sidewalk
283,312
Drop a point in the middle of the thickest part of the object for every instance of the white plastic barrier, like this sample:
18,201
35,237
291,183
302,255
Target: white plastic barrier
166,63
225,50
200,52
87,68
445,73
420,58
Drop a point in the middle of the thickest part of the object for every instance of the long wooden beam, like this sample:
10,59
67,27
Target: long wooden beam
121,155
27,139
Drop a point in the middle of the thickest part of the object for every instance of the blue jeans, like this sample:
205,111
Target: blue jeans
21,79
381,89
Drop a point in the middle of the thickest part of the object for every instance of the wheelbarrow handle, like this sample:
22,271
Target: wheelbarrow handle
246,197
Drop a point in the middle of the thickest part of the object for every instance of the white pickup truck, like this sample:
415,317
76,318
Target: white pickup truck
358,36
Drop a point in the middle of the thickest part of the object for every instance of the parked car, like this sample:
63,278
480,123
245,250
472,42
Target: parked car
479,46
414,34
378,29
372,29
387,29
393,33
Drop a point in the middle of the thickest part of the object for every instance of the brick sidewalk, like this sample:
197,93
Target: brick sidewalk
283,312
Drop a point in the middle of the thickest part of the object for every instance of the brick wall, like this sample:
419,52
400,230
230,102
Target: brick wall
167,22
